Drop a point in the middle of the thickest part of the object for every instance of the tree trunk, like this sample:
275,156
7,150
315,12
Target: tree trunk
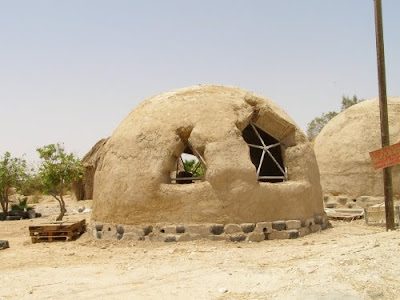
4,201
62,213
63,210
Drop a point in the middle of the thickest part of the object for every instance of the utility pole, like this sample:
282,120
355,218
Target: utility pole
387,172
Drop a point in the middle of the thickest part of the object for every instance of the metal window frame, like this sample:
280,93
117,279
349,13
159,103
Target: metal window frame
265,150
199,163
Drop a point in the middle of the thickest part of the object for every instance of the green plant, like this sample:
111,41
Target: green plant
12,174
22,205
58,170
32,185
196,168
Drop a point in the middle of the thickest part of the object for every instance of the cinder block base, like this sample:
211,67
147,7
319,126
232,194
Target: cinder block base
265,227
252,232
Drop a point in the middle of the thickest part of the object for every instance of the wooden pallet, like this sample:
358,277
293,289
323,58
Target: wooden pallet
57,231
344,214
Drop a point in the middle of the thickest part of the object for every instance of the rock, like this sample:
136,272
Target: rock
147,230
279,225
222,290
99,227
315,228
318,220
170,238
180,229
248,227
330,205
120,229
81,209
256,236
217,229
4,244
232,228
303,231
237,237
293,234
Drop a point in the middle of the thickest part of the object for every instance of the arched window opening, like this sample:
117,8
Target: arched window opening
265,154
189,167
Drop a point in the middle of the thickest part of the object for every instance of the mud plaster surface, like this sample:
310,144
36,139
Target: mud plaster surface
132,182
342,150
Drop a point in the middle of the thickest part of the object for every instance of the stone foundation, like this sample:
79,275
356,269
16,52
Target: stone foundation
252,232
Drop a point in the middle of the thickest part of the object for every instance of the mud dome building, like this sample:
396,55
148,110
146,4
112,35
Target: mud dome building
207,162
342,150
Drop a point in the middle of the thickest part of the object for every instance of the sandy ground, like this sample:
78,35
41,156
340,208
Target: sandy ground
349,261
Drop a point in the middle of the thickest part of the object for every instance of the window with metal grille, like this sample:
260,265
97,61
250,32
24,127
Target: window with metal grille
265,154
189,167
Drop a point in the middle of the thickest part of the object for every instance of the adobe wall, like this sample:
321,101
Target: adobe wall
342,150
132,183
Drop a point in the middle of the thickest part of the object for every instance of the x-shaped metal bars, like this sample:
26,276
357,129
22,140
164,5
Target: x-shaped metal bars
265,149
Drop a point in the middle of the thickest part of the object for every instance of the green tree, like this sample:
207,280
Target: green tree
58,170
12,174
32,185
347,102
316,125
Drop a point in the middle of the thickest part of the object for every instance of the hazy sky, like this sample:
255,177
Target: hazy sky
70,71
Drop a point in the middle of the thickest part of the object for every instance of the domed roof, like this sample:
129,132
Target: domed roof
342,150
256,163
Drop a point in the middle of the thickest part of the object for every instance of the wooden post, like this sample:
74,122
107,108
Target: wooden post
387,172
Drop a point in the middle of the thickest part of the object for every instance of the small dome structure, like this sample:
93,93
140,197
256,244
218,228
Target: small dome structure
342,150
249,162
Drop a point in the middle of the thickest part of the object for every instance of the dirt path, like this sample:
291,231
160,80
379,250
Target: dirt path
349,261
